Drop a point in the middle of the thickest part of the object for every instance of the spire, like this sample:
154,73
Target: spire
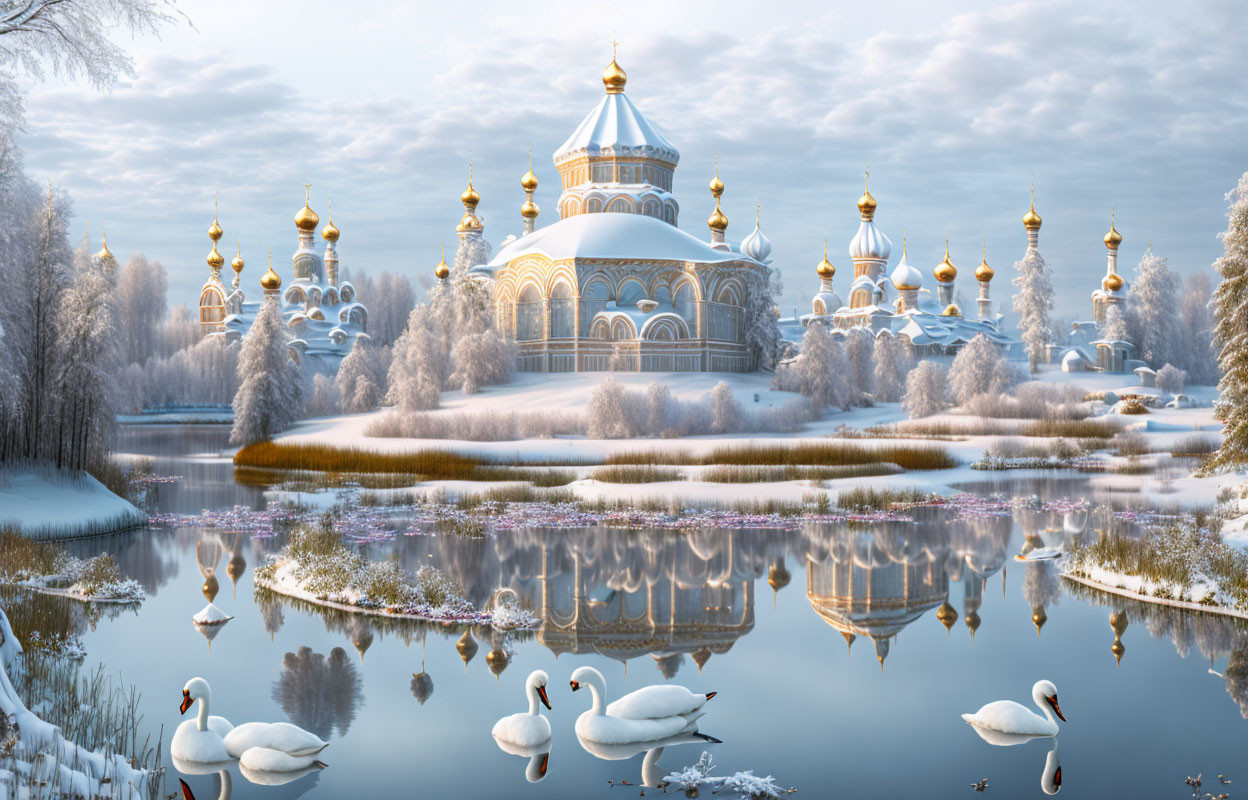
945,271
718,221
469,223
1113,238
529,209
306,219
866,203
442,270
1031,220
825,269
270,281
330,232
984,273
614,77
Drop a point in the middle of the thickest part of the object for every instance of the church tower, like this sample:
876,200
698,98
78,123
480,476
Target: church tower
983,276
212,294
529,209
330,234
718,221
869,250
945,274
1112,291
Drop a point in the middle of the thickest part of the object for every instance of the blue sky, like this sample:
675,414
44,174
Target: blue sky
1141,105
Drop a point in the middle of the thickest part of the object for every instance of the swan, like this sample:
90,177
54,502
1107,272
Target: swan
289,739
200,740
530,728
653,712
1015,720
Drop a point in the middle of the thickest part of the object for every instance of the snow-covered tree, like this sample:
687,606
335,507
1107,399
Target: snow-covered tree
725,413
892,364
859,349
980,368
926,390
1115,328
324,400
268,398
390,299
613,412
472,251
1231,331
1171,379
661,409
762,335
822,370
1199,358
358,379
141,289
1152,299
483,359
1033,303
419,364
179,330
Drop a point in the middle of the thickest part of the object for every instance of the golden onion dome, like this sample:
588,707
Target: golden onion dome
1118,622
270,280
214,230
866,203
825,268
973,622
104,253
529,210
330,231
528,181
716,185
307,219
466,647
1039,617
984,273
1113,238
1031,220
614,77
215,259
1118,648
951,310
947,615
945,271
497,660
470,198
1112,282
718,221
442,270
778,575
238,263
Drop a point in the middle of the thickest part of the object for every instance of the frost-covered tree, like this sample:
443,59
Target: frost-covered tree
926,390
1115,328
390,299
1199,358
892,364
419,364
1153,298
980,368
1231,332
859,349
141,290
1033,302
725,412
613,412
762,334
179,330
822,370
1171,379
324,400
70,38
358,379
268,398
483,359
661,409
472,251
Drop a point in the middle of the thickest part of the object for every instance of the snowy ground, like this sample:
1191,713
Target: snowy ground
570,392
43,504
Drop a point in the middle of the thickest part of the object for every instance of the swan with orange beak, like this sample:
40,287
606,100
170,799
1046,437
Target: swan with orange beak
1008,717
530,728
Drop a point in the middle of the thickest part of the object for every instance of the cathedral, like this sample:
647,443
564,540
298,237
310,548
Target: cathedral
1092,345
320,310
614,283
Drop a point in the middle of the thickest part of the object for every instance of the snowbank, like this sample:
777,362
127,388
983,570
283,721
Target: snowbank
43,504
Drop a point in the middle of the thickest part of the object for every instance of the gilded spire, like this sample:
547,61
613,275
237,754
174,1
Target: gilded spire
442,270
614,77
984,273
330,232
104,251
1031,220
237,263
214,231
270,281
718,221
825,269
306,219
716,185
1113,238
528,181
470,198
945,271
866,203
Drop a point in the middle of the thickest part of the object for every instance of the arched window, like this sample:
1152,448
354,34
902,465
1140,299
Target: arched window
602,330
358,317
593,205
621,330
593,299
505,313
622,205
669,215
211,307
562,323
529,314
686,305
820,308
630,292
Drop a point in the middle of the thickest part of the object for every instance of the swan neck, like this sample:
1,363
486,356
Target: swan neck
1048,712
532,693
202,717
598,689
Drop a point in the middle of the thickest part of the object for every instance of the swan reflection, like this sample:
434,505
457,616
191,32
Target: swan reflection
652,773
538,756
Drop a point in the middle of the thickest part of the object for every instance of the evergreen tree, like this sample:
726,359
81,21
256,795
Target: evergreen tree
1231,331
892,364
358,378
419,364
926,390
270,385
1034,304
1152,299
978,369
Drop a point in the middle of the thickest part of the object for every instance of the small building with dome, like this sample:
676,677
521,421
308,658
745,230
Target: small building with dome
614,283
321,310
1088,345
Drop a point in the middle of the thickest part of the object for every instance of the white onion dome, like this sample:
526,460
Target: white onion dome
757,246
870,242
905,276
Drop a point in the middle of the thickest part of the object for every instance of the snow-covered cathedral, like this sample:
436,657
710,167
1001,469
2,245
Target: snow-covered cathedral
898,301
321,310
1094,345
614,282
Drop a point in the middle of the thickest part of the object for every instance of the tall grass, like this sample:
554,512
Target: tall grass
635,473
1197,445
831,453
431,464
1072,428
776,474
867,498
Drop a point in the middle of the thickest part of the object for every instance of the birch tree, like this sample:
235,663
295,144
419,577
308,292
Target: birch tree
1033,302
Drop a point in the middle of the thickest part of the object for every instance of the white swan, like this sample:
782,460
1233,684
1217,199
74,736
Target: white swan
200,740
650,713
266,759
1015,720
282,736
530,728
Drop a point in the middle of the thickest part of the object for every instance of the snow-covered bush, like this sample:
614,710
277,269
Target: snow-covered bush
860,350
980,368
926,390
480,426
1171,379
483,359
893,363
725,413
614,412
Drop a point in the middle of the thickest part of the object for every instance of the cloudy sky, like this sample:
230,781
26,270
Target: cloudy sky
1141,104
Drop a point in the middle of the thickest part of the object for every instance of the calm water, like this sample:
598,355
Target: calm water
835,670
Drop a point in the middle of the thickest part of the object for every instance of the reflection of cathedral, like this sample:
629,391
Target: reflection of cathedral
614,276
319,307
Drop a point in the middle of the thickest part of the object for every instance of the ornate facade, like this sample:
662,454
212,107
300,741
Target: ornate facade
321,310
614,284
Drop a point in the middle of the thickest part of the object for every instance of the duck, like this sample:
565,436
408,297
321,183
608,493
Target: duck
650,713
530,728
281,736
200,740
1014,719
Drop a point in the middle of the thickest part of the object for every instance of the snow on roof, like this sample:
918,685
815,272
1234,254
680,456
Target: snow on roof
870,242
614,235
616,127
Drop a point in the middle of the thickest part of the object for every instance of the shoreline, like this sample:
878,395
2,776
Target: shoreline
1225,611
